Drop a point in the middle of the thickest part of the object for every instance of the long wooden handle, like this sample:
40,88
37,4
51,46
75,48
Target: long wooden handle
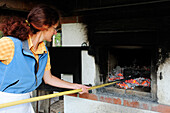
51,95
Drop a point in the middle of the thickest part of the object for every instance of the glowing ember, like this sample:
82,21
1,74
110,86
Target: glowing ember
130,84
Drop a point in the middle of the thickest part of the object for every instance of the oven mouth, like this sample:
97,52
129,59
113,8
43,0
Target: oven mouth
131,65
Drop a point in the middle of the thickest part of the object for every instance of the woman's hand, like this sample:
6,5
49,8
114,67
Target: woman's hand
83,87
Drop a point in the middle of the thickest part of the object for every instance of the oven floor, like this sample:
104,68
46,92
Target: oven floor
138,92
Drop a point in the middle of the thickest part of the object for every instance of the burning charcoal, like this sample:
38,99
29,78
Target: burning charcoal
149,82
144,83
111,78
139,73
115,77
133,87
126,86
129,85
120,74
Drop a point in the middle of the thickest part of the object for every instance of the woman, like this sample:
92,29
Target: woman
24,58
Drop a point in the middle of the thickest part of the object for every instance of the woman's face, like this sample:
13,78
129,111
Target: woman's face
50,32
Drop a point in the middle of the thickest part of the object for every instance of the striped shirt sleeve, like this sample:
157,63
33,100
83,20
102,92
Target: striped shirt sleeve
48,66
6,50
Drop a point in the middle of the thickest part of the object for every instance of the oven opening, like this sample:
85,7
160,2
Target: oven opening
132,65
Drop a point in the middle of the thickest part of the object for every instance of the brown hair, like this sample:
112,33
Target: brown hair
16,27
42,15
38,16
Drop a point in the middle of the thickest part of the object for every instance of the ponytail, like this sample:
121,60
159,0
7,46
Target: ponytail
16,27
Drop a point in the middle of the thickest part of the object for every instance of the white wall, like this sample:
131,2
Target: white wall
163,86
89,69
74,34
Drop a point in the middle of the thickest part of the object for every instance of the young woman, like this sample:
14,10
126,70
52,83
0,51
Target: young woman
24,58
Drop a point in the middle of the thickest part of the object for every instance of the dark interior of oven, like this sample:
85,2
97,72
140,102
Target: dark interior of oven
133,64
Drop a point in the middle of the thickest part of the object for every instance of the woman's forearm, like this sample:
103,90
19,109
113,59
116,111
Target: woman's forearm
55,81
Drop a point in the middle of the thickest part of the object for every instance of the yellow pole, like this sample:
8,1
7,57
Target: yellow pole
51,95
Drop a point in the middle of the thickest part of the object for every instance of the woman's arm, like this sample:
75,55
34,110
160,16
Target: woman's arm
54,81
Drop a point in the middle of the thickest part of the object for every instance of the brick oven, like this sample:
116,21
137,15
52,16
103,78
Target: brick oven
127,41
